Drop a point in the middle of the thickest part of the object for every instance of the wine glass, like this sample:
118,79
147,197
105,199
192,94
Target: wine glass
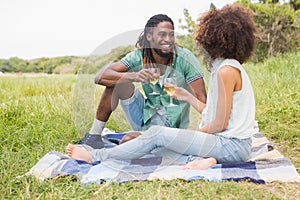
156,74
169,87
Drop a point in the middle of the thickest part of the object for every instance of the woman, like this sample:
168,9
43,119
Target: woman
227,38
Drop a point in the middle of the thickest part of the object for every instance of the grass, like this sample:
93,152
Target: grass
277,89
40,114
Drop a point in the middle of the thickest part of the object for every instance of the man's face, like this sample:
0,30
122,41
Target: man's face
162,39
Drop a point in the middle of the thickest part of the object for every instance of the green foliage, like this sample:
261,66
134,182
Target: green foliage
188,26
93,64
12,64
279,27
295,4
40,65
276,84
65,64
279,95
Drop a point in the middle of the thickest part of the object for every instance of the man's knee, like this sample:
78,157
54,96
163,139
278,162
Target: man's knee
119,91
124,91
111,95
110,98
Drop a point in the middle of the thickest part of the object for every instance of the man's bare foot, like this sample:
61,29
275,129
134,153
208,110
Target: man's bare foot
201,164
78,153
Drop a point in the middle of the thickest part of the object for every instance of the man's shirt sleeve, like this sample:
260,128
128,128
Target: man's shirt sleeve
133,61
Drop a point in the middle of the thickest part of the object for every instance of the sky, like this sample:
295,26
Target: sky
51,28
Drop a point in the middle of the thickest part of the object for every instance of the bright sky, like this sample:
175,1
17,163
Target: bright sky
50,28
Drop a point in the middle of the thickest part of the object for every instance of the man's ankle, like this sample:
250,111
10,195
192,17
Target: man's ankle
97,127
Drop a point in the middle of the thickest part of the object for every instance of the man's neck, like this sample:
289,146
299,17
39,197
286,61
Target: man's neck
159,59
161,62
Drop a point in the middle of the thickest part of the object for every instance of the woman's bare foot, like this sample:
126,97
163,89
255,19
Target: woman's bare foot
78,153
201,164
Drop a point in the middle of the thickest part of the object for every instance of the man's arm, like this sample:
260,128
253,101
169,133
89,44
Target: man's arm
198,89
118,73
113,74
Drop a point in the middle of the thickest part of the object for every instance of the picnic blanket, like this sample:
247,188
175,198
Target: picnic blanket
266,165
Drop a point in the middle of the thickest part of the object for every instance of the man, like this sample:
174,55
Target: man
155,48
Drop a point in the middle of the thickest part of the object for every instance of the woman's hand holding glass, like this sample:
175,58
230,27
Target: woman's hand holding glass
179,93
169,87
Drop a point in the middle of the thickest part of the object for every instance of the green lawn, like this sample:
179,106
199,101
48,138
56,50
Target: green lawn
40,114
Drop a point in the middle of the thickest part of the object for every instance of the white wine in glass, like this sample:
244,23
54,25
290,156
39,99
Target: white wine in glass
156,72
169,87
154,81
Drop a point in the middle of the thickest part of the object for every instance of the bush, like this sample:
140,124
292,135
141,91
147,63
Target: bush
279,28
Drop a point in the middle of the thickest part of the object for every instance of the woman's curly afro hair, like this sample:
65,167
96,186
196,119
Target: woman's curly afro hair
229,32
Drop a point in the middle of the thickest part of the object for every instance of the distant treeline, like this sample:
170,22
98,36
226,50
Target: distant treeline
63,65
279,26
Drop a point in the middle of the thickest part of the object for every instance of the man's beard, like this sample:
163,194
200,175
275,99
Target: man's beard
161,54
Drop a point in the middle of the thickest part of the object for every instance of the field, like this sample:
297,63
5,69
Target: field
43,113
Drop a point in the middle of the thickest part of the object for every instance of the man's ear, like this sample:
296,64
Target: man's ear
149,37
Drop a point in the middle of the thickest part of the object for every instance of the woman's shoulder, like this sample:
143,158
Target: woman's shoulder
220,63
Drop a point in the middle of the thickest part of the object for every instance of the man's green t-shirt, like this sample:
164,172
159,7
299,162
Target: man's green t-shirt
187,69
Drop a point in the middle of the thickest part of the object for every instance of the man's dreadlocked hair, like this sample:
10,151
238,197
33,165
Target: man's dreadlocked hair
143,43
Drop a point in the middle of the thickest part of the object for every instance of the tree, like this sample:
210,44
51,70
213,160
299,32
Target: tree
295,4
17,64
279,28
188,26
4,66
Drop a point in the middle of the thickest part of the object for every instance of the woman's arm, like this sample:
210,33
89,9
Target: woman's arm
229,81
184,95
